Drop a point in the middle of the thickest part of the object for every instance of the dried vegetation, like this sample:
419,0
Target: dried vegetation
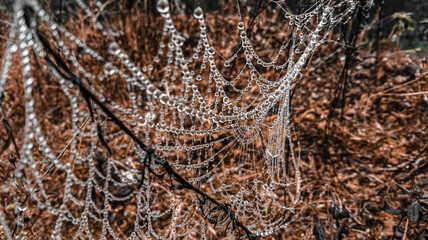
365,179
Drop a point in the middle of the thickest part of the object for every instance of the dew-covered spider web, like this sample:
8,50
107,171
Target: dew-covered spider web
188,141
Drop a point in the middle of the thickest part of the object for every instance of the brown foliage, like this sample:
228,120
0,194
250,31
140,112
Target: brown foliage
380,144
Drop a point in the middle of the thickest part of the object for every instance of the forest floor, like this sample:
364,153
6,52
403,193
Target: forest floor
376,145
370,157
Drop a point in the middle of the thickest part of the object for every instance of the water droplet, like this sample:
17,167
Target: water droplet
108,68
114,48
13,48
241,25
178,40
162,6
198,13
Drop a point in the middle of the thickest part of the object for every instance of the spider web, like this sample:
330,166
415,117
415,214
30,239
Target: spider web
209,127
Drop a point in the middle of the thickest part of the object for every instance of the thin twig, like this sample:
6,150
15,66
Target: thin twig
50,168
52,165
405,94
405,229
